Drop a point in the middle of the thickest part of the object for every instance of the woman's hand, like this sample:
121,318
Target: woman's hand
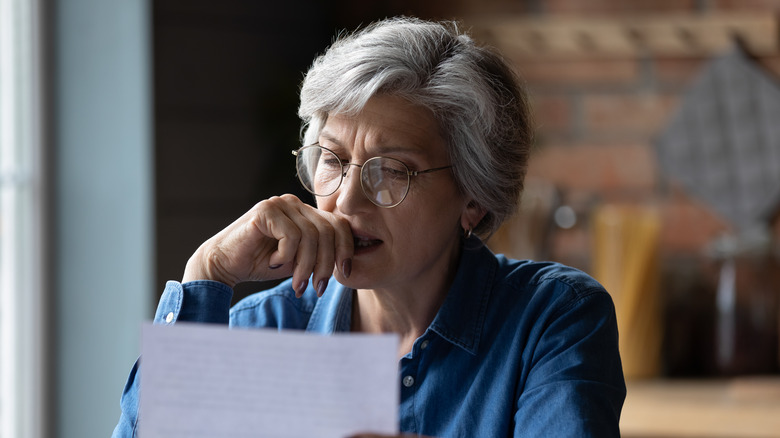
278,237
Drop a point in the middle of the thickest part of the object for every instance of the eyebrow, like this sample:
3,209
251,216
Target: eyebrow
381,150
330,138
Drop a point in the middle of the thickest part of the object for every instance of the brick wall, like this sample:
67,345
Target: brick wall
597,118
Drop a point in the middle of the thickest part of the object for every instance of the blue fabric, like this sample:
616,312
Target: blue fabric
518,349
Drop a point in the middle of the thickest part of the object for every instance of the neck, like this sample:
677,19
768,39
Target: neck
407,311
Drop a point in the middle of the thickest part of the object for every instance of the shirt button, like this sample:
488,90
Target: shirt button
408,381
424,344
169,317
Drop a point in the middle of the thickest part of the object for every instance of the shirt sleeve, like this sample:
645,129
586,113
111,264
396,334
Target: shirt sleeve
196,301
575,386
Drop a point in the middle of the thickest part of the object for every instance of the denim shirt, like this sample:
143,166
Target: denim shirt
517,349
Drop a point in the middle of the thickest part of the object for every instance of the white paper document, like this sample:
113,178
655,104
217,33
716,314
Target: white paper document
208,381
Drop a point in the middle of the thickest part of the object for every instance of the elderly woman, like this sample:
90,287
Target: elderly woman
415,145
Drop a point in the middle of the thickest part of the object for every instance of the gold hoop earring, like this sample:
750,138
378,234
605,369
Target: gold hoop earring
467,233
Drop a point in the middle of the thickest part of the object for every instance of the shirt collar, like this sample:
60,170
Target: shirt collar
462,315
460,318
333,311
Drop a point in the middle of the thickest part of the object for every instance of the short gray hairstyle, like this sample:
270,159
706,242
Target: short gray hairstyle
475,96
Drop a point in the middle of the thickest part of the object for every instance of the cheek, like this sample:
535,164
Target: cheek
425,222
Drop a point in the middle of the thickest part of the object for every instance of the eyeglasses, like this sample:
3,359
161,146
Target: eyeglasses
385,181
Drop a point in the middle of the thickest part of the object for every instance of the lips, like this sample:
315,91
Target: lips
365,243
362,243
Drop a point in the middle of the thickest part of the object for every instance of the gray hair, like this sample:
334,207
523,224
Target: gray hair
475,96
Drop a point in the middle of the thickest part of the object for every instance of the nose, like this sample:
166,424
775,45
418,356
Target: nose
350,196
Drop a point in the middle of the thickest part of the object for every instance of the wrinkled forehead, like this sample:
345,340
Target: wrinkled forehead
386,124
396,114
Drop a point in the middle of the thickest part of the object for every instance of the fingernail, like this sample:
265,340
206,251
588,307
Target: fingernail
275,266
301,288
321,287
346,267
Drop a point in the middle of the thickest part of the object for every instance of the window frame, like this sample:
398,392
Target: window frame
23,271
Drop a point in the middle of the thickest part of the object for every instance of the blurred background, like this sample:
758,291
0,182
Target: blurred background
131,131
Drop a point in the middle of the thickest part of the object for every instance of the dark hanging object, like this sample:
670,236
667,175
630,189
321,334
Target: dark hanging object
723,144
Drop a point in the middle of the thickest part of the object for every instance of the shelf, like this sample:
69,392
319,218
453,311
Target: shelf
627,36
743,407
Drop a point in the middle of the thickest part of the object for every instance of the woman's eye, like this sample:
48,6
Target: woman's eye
393,172
332,162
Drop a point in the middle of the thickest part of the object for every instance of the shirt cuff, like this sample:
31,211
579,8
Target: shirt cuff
195,301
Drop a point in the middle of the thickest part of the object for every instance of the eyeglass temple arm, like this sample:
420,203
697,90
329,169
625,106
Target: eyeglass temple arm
418,172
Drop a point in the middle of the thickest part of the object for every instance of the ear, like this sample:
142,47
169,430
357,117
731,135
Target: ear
472,215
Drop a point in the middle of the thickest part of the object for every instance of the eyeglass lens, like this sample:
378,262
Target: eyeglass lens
385,181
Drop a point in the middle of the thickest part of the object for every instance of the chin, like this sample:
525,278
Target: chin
355,281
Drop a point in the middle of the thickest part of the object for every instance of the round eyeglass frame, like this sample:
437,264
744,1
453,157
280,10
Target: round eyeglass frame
343,173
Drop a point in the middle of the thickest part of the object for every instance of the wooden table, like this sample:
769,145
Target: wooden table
737,408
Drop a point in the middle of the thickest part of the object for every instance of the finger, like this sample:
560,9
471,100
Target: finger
272,220
296,236
326,253
344,243
306,255
305,237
